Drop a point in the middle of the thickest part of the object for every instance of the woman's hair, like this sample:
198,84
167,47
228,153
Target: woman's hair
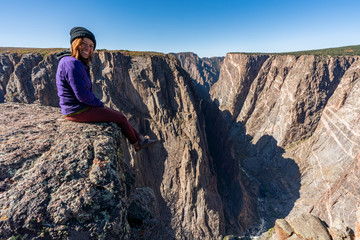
75,51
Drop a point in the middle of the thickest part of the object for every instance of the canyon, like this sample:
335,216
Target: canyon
246,141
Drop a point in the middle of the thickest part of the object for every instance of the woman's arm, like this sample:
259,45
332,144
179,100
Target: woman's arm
79,82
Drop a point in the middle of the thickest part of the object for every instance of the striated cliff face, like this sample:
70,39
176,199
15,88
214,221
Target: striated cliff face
157,93
27,78
279,137
204,71
357,229
256,90
157,96
295,127
335,151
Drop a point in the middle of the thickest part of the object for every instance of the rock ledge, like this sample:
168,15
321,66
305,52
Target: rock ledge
60,179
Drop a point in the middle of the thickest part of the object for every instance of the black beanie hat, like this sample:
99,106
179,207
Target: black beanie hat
80,32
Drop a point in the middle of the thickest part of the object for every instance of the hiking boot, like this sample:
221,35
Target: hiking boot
147,142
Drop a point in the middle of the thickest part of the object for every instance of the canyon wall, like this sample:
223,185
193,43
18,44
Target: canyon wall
295,124
159,99
275,137
204,71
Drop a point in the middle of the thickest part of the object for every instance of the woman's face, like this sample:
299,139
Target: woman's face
86,48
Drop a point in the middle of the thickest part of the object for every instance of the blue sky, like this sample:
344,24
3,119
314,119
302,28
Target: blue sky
207,28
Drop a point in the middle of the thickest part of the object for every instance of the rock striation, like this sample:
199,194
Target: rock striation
277,139
357,229
157,96
59,179
295,126
25,77
204,71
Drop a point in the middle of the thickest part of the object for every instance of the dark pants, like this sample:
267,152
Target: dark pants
105,114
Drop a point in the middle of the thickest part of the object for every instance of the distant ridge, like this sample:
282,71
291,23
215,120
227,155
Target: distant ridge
338,51
46,51
24,50
353,50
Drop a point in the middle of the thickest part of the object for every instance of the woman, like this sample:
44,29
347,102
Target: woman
77,101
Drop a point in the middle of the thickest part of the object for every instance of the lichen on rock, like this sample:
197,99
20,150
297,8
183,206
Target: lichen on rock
60,179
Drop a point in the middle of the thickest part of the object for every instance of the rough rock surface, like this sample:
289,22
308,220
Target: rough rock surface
142,214
7,64
157,93
357,229
295,127
307,226
331,171
59,179
280,139
204,71
19,87
157,96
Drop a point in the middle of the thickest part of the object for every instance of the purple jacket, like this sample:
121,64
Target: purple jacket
74,86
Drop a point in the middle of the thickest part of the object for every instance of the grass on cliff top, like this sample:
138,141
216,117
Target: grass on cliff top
42,51
339,51
134,53
45,51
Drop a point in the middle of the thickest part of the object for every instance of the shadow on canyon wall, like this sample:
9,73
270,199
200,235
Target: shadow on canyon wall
151,221
256,183
254,180
149,216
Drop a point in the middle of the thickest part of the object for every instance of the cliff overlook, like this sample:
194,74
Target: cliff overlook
204,71
157,96
294,122
275,137
59,179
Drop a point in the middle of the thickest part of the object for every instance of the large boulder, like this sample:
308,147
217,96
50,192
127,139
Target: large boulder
60,179
308,226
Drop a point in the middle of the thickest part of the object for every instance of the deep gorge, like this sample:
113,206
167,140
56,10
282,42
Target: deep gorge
246,139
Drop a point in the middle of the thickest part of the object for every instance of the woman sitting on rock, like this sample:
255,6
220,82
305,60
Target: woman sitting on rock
77,101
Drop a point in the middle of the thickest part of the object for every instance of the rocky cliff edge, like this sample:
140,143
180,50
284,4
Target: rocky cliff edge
157,97
60,179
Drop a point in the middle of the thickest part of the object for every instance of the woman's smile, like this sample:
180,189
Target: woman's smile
86,48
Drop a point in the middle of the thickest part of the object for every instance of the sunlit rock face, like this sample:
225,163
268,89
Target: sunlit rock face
357,229
60,179
300,118
307,226
157,96
275,137
203,71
